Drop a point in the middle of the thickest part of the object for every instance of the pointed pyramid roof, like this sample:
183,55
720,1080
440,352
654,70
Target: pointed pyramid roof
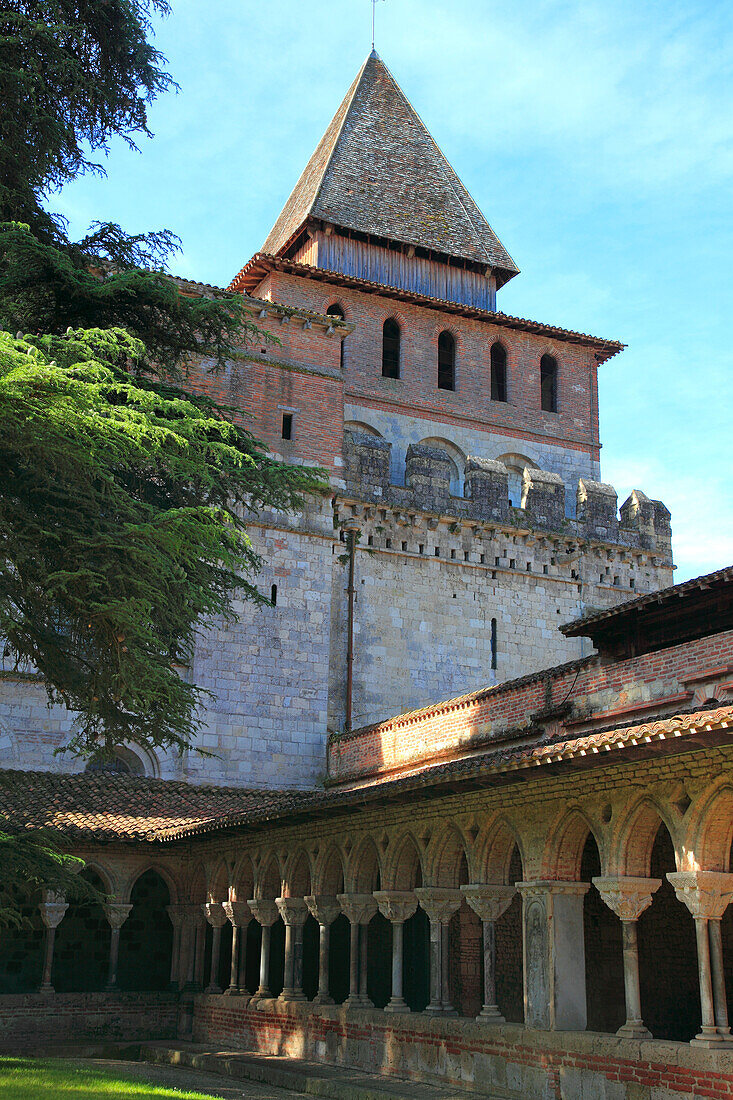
378,171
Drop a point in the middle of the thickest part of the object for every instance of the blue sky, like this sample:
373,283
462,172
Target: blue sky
597,138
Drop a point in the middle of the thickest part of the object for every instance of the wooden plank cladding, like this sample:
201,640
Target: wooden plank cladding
364,260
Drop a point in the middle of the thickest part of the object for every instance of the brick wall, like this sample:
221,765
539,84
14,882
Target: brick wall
78,1016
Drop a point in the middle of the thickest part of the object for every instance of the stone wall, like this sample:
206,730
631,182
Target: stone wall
75,1017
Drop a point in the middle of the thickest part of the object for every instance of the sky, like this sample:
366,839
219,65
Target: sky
597,139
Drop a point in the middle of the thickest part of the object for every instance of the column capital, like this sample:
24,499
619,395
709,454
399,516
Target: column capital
396,905
116,913
543,887
627,895
293,911
177,914
357,908
264,911
52,912
488,900
214,913
706,894
439,903
324,907
237,913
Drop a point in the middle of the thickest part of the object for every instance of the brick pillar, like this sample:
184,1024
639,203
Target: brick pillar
554,955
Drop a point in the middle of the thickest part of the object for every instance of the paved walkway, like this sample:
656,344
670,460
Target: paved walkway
191,1080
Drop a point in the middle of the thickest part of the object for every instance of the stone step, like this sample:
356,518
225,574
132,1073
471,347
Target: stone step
311,1078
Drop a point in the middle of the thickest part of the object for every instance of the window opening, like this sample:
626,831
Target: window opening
273,595
498,372
287,429
335,310
446,361
493,644
548,383
391,349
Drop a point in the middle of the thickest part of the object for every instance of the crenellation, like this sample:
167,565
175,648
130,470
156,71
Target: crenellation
543,498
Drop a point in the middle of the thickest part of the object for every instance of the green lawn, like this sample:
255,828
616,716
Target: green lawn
46,1078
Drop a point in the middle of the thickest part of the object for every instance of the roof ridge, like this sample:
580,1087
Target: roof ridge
346,104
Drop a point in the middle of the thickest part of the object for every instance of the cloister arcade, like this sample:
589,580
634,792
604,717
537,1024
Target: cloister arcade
606,915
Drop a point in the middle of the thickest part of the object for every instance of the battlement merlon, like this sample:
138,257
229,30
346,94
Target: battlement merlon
640,523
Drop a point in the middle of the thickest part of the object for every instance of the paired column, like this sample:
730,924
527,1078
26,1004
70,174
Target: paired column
707,895
440,906
239,915
358,910
265,913
294,913
324,909
52,910
554,955
117,913
629,897
217,918
488,903
177,914
397,906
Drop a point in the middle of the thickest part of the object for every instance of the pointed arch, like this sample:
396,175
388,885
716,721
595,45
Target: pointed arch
196,887
219,882
160,870
405,870
446,360
563,853
364,872
106,876
268,881
243,879
391,338
498,359
329,877
495,852
709,833
298,879
633,840
448,850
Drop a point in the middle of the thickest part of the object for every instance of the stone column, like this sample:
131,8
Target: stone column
554,955
294,913
488,903
238,914
629,897
397,906
439,905
176,914
116,913
217,918
52,910
324,909
199,932
265,913
358,910
707,895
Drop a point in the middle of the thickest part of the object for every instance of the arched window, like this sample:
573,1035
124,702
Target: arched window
121,761
548,383
391,349
498,372
446,361
335,310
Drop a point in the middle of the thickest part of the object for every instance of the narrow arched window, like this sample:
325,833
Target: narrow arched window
498,372
335,310
446,361
391,349
548,383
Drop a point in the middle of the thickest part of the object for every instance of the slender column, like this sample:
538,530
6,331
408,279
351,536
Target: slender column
554,955
116,913
707,895
199,923
325,909
397,906
52,910
217,918
488,903
364,998
265,913
439,905
358,910
239,915
629,897
294,913
176,914
716,965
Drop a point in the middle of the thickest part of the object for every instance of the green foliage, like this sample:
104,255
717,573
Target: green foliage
121,530
38,859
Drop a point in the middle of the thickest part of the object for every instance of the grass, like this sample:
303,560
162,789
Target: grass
46,1078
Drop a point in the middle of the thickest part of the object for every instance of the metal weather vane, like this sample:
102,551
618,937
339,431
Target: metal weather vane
374,12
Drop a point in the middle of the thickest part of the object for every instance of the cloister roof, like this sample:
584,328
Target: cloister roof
128,809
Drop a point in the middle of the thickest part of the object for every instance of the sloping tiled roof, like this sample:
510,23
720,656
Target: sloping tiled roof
110,807
378,171
129,809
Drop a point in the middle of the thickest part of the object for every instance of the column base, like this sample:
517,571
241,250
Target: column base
712,1040
490,1014
322,999
433,1010
448,1010
235,991
111,987
353,1001
634,1029
397,1004
365,1002
213,989
290,996
48,988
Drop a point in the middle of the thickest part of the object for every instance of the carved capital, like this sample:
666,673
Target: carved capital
357,908
396,905
293,911
439,904
323,907
116,913
626,895
177,914
489,901
237,913
706,894
543,887
52,912
264,911
214,913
